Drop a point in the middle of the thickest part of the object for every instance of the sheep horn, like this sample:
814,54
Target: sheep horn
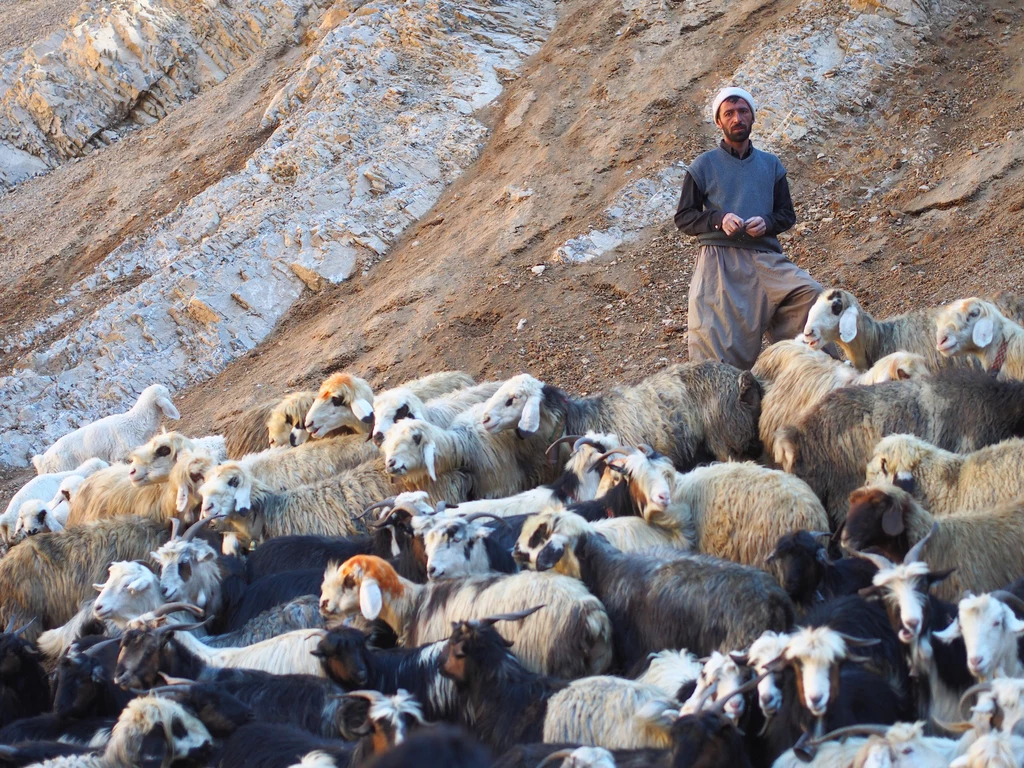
389,501
850,730
561,754
561,441
771,556
976,688
156,691
490,620
1011,600
719,705
20,632
817,534
879,561
914,555
478,515
612,452
386,519
175,680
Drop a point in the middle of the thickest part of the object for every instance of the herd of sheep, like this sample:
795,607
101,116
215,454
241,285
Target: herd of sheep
813,562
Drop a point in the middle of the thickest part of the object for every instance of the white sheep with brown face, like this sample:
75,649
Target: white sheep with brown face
976,327
112,437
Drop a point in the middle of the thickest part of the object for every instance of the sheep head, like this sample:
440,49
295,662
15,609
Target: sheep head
131,589
516,405
227,490
904,590
362,584
720,677
344,401
878,517
586,462
410,450
34,517
286,424
391,407
898,366
895,460
966,326
832,317
61,500
815,654
652,480
548,542
157,397
989,628
152,463
188,475
800,559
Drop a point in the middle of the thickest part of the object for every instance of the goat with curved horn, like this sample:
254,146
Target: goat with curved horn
1008,598
388,502
612,452
517,616
846,732
592,442
880,562
193,530
914,555
974,689
562,441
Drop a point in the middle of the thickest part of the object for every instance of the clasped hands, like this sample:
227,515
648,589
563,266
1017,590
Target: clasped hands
754,226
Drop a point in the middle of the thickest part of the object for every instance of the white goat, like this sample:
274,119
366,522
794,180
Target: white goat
131,590
766,649
112,437
44,488
990,630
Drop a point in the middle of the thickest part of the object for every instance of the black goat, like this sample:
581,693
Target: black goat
32,752
809,575
441,747
290,553
50,727
353,663
85,681
269,592
24,686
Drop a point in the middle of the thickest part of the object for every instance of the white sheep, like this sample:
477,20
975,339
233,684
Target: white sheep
36,517
977,327
44,488
112,437
399,403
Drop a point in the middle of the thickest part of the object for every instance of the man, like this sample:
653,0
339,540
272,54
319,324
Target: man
736,201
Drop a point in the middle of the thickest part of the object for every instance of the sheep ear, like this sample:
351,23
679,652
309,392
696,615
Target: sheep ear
950,633
428,459
529,422
370,599
982,333
165,405
892,519
182,500
243,498
848,325
362,409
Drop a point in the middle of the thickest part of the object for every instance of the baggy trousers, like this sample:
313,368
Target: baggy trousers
737,295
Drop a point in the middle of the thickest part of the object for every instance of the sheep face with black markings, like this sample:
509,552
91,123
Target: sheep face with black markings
152,463
286,425
343,402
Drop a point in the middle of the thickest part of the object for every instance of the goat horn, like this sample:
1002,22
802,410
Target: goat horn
20,632
707,694
591,441
719,705
858,642
646,449
91,652
817,534
157,690
175,680
478,515
561,441
167,608
879,561
976,688
850,730
442,505
175,525
952,727
1011,600
551,759
914,555
182,627
771,556
510,616
389,501
193,530
10,626
612,452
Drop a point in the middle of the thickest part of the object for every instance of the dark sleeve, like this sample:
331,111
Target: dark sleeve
783,216
691,217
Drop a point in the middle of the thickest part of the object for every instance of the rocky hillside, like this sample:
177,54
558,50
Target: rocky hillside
237,199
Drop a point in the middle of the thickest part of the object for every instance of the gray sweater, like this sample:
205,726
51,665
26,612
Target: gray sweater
723,183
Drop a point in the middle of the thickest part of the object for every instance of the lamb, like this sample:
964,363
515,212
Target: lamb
945,482
346,401
983,546
724,507
498,465
43,488
976,327
37,517
796,378
659,599
48,576
693,413
571,639
400,403
112,437
152,463
836,316
956,410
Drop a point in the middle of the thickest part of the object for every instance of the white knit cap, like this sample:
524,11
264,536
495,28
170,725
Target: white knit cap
726,93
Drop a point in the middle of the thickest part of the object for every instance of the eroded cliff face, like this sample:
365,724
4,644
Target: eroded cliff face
369,132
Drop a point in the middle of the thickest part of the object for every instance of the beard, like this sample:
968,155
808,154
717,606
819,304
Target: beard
739,134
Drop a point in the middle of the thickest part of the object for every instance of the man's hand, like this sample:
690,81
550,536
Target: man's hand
731,224
755,226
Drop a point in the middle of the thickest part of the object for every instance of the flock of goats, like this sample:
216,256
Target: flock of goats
811,562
